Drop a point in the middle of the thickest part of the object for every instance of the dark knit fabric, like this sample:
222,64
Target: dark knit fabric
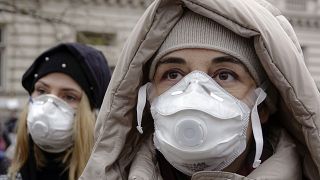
53,170
86,65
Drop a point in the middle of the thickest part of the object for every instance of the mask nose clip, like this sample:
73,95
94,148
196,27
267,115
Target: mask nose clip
211,93
182,91
196,81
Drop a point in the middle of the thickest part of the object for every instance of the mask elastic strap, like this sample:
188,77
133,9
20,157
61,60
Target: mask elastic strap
30,99
142,98
256,127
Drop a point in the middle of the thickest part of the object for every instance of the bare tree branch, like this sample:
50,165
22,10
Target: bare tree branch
13,9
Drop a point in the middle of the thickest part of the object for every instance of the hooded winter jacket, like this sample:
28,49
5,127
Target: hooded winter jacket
121,152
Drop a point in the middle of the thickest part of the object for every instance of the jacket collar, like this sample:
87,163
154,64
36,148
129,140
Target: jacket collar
283,164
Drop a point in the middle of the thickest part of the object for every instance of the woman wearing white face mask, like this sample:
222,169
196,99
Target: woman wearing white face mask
55,133
209,90
204,93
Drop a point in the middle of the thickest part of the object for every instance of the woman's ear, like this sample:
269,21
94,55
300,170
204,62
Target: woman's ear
264,113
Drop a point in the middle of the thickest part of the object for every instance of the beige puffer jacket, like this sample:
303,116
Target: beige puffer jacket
121,153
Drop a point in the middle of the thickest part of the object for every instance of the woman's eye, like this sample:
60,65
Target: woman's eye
69,98
40,91
225,76
172,75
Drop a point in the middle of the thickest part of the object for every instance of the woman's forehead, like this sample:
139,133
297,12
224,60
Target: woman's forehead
59,80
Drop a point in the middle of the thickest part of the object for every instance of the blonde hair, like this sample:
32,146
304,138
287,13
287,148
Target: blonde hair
75,158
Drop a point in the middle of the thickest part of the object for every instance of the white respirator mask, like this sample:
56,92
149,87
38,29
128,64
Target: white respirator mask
199,125
50,123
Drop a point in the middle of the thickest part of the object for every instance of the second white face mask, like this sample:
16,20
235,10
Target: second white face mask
198,125
50,123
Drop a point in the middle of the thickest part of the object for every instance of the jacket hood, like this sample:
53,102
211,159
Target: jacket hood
116,135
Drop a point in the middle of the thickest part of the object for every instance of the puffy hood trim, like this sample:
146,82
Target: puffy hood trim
116,144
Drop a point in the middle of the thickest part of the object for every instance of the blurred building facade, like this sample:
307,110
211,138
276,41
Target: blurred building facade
28,27
304,16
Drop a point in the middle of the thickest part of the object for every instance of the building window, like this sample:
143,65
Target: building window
1,54
296,5
96,39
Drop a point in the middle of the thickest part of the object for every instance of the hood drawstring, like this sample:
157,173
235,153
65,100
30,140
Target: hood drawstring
142,98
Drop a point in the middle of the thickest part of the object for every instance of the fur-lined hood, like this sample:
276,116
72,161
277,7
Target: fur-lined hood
276,45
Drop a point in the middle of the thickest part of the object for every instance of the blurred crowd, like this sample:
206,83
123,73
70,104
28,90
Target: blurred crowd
7,140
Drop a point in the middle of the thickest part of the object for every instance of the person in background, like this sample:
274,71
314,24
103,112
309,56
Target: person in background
5,143
10,123
10,126
55,135
209,90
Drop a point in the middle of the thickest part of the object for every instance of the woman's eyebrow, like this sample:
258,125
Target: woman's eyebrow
226,58
71,90
175,60
229,59
40,82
